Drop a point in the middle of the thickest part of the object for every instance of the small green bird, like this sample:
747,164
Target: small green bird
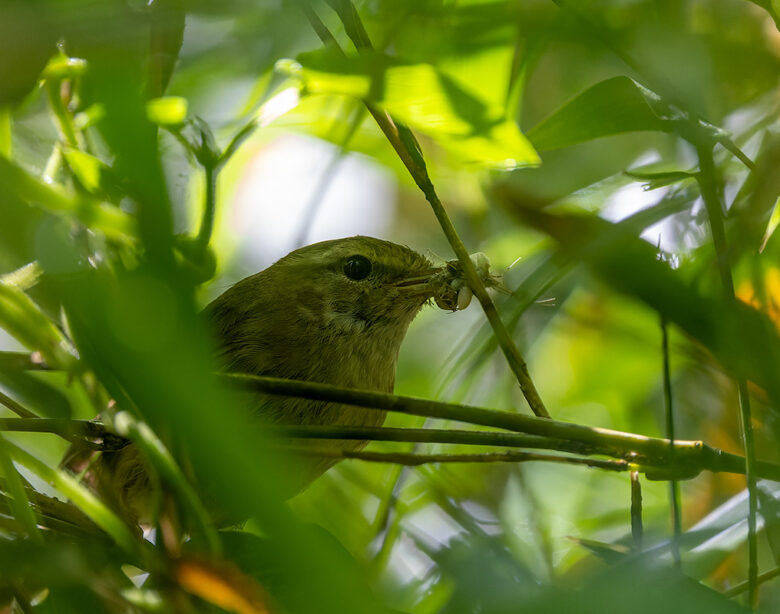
333,312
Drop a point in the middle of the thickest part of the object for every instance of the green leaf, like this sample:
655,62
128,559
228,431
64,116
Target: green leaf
63,67
169,111
5,132
709,542
80,495
27,38
89,116
166,33
742,338
660,179
610,107
95,176
423,98
22,318
20,505
35,392
774,221
113,222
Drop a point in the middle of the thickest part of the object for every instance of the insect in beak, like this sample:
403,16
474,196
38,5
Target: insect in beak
419,285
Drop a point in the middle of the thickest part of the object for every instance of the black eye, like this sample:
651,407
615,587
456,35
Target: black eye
357,267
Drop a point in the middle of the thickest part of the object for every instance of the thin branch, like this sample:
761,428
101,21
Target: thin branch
90,432
674,485
408,150
238,139
210,172
637,530
412,459
16,407
67,128
743,586
428,435
708,183
692,456
652,453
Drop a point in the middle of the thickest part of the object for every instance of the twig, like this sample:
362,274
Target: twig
408,150
429,435
707,179
412,459
636,510
90,432
743,586
652,453
692,456
15,407
210,172
674,485
65,123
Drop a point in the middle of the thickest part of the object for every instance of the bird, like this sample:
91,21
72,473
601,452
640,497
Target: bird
334,312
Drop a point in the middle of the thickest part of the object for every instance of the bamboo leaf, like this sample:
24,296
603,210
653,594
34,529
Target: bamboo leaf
87,502
19,502
113,222
710,541
95,176
166,35
742,338
22,318
423,98
774,221
613,106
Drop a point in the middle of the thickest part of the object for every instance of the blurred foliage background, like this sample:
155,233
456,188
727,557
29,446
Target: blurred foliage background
617,160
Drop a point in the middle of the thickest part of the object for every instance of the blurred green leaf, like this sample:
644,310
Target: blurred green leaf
660,179
24,320
80,495
113,222
169,111
89,116
95,176
713,539
611,107
742,338
771,226
5,132
20,505
63,67
422,97
263,559
166,36
27,39
35,393
63,566
637,587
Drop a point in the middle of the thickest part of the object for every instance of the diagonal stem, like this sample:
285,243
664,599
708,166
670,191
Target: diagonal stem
407,148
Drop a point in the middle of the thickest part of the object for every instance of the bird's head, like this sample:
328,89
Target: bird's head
359,283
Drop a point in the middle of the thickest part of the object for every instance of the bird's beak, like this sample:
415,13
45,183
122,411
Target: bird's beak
419,285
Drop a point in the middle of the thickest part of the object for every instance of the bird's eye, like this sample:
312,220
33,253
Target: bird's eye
357,267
